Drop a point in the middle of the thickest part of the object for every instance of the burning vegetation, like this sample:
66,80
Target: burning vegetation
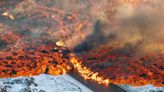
112,41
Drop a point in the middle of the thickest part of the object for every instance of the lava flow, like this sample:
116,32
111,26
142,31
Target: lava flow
120,69
53,37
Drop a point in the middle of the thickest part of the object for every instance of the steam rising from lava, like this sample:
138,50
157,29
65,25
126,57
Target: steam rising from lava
132,25
136,27
119,30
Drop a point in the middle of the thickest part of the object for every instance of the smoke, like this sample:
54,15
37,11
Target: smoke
136,28
141,28
44,21
129,26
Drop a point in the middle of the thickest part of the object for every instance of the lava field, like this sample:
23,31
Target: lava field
104,41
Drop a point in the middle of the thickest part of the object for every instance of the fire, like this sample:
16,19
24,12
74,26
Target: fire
7,14
28,49
32,61
60,43
88,74
120,68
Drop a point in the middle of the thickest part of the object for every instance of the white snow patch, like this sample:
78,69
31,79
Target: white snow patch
42,83
146,88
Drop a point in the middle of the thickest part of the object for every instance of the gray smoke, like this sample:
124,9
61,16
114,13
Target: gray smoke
136,29
130,26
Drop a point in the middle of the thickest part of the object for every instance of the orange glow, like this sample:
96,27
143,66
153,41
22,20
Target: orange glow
60,43
30,49
88,74
7,14
33,61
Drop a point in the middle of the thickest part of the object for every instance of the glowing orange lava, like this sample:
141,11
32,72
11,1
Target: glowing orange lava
34,36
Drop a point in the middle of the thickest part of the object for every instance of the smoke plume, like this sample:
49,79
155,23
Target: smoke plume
129,26
136,28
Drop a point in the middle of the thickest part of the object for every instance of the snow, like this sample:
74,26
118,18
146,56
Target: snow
146,88
62,83
42,83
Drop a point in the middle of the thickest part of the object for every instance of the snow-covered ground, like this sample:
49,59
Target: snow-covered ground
42,83
62,83
147,88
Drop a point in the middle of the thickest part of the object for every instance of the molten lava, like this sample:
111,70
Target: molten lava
32,61
120,68
36,39
87,73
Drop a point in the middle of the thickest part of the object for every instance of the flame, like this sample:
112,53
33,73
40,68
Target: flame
88,74
24,62
60,43
19,62
7,14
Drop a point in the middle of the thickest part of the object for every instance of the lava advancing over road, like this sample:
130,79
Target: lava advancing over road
112,41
